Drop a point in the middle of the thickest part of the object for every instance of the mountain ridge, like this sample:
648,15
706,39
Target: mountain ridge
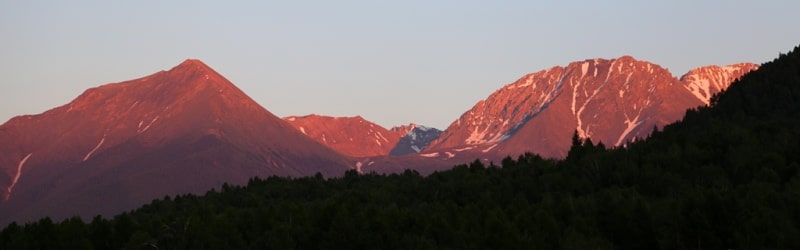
351,136
359,137
637,95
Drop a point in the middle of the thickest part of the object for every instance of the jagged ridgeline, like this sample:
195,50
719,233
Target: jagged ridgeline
725,177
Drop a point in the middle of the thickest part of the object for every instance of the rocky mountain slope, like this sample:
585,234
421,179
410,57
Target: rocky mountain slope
358,137
610,101
703,82
351,136
185,130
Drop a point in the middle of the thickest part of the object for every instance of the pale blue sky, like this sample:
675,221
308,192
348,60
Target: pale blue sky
393,62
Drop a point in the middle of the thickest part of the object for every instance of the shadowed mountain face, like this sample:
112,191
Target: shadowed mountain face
414,138
116,146
610,101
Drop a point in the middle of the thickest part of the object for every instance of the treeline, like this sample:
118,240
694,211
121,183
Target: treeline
726,177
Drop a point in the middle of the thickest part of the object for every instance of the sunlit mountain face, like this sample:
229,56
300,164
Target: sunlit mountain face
116,146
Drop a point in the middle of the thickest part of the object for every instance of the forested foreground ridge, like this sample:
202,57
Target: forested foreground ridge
725,177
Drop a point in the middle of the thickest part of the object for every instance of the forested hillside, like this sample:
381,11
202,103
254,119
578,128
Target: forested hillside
726,177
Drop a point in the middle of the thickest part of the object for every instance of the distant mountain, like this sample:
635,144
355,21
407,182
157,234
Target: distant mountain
116,146
703,82
358,137
414,138
610,101
351,136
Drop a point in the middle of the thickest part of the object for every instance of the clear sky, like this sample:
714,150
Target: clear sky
392,62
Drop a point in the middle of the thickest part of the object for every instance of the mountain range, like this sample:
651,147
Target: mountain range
188,129
725,176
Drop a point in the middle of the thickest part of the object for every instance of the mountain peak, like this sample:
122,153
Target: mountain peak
635,61
319,117
194,68
609,100
744,67
183,130
705,81
192,62
404,128
190,78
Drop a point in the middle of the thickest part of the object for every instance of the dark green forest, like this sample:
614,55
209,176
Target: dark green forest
725,177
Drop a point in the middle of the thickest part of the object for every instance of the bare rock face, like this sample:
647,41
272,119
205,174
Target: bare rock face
610,101
119,145
351,136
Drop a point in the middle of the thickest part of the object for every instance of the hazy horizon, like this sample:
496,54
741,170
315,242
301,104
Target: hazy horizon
391,63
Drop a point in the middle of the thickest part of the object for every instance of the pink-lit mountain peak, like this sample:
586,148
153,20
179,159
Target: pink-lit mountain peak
609,100
187,129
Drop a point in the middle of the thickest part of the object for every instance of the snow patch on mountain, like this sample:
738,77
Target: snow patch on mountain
463,149
584,68
489,148
95,148
358,167
16,176
430,155
579,115
477,136
630,126
148,125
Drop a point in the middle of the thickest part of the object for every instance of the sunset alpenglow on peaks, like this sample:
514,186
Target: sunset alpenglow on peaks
392,62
